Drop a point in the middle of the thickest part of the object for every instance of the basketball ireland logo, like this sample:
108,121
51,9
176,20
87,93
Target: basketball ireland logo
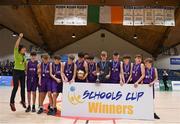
73,97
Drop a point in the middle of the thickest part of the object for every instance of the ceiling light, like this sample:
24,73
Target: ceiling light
73,35
135,36
14,34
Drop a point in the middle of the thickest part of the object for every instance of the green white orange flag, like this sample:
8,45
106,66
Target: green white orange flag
111,14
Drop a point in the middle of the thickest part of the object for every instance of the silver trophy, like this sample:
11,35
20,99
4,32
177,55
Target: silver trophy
97,80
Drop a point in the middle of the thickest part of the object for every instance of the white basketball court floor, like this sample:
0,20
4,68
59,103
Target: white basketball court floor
167,106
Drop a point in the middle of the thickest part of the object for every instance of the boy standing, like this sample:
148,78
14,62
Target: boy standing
55,72
103,69
32,81
91,70
138,71
69,70
81,68
151,77
126,69
115,66
44,81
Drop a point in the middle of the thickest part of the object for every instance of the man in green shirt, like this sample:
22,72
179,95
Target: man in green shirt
18,73
19,60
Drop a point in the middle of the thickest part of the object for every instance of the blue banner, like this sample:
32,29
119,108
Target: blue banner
5,80
64,58
175,61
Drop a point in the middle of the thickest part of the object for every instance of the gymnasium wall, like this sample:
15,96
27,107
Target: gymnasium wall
7,42
163,62
94,44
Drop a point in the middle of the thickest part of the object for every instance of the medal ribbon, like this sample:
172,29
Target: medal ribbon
91,67
55,68
126,67
149,73
115,65
69,68
45,68
103,64
136,67
79,64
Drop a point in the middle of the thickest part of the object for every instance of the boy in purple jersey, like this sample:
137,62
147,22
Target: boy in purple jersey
138,71
151,76
126,69
115,66
55,72
81,68
92,77
44,81
69,70
32,81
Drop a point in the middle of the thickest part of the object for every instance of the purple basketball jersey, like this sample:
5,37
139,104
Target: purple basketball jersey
56,70
126,70
136,72
91,77
45,78
115,72
149,75
69,70
32,77
80,66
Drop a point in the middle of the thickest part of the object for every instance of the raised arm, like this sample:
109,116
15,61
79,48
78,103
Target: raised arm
18,40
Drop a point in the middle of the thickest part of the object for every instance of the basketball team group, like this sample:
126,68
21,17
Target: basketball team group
49,75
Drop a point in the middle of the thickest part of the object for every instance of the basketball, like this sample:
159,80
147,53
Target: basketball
80,74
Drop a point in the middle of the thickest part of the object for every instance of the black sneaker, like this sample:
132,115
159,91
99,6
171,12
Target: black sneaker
23,104
33,108
50,111
156,116
40,111
28,109
13,108
55,109
49,107
53,113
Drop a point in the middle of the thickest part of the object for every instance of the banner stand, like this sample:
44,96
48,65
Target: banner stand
87,121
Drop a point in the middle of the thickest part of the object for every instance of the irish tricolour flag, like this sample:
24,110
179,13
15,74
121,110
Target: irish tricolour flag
105,14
